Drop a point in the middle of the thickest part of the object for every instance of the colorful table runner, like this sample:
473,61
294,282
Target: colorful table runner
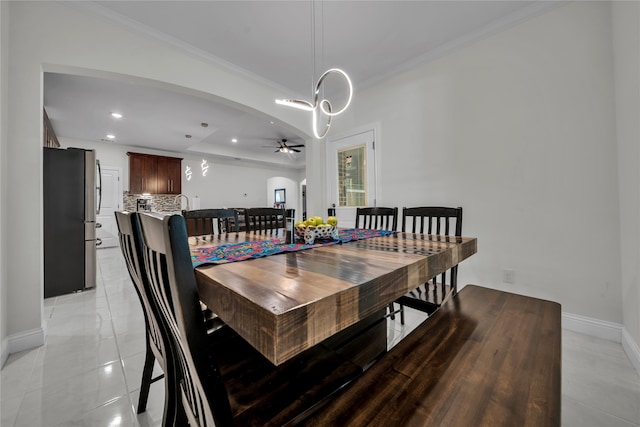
247,250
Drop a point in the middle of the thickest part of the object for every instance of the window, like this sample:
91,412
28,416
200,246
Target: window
352,176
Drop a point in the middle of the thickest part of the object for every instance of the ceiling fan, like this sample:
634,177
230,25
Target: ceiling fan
284,148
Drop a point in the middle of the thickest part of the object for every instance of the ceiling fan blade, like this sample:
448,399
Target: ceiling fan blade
294,149
277,151
293,146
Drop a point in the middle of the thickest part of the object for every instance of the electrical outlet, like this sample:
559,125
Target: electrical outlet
508,275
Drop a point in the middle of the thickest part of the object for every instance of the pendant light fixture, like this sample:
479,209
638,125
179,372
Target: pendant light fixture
320,108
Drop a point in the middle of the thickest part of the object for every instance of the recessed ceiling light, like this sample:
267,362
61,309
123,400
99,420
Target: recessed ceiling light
110,136
272,122
116,115
234,140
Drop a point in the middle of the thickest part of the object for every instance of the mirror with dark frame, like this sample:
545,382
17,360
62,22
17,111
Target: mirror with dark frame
280,195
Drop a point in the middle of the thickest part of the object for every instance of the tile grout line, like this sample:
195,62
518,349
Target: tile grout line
24,393
601,411
113,330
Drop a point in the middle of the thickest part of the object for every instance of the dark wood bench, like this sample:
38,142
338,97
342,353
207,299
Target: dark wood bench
486,358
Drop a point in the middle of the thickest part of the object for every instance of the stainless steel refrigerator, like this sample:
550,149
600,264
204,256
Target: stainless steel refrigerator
71,192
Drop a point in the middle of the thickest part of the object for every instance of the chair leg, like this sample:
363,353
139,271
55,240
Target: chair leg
392,311
401,314
147,371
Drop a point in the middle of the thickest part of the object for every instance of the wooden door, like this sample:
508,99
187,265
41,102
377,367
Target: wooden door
150,174
163,183
169,175
136,173
143,170
174,173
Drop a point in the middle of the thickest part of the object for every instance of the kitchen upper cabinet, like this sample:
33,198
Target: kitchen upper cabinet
154,174
169,175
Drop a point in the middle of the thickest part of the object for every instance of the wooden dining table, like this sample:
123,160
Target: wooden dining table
286,303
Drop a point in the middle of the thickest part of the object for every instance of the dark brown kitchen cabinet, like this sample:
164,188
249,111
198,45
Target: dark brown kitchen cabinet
154,174
169,175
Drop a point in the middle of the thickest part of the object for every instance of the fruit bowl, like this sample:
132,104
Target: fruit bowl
312,233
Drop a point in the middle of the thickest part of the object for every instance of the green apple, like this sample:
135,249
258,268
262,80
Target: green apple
332,220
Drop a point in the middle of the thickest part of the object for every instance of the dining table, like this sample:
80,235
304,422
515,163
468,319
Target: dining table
288,298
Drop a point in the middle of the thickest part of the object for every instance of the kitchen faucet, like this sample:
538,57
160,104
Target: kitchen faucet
182,195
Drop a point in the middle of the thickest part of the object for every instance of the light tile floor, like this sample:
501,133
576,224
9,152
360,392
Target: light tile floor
88,373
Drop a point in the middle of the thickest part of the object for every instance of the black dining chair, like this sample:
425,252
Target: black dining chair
377,218
203,222
439,220
157,344
221,378
265,219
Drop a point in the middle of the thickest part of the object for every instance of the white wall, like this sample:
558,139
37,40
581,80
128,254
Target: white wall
4,54
81,44
626,38
292,192
519,129
228,183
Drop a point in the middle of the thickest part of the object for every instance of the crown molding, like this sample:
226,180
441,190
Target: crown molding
94,9
495,27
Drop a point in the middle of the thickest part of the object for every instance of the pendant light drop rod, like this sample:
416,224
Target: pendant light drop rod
320,106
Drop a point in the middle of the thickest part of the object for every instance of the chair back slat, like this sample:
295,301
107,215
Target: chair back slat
436,217
168,264
204,222
377,218
439,220
265,219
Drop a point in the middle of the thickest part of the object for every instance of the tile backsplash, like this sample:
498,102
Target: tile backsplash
158,202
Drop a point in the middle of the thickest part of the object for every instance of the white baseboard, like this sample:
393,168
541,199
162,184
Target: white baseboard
631,348
589,326
25,340
606,330
4,352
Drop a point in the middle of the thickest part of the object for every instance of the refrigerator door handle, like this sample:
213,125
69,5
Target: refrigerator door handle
98,241
99,187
